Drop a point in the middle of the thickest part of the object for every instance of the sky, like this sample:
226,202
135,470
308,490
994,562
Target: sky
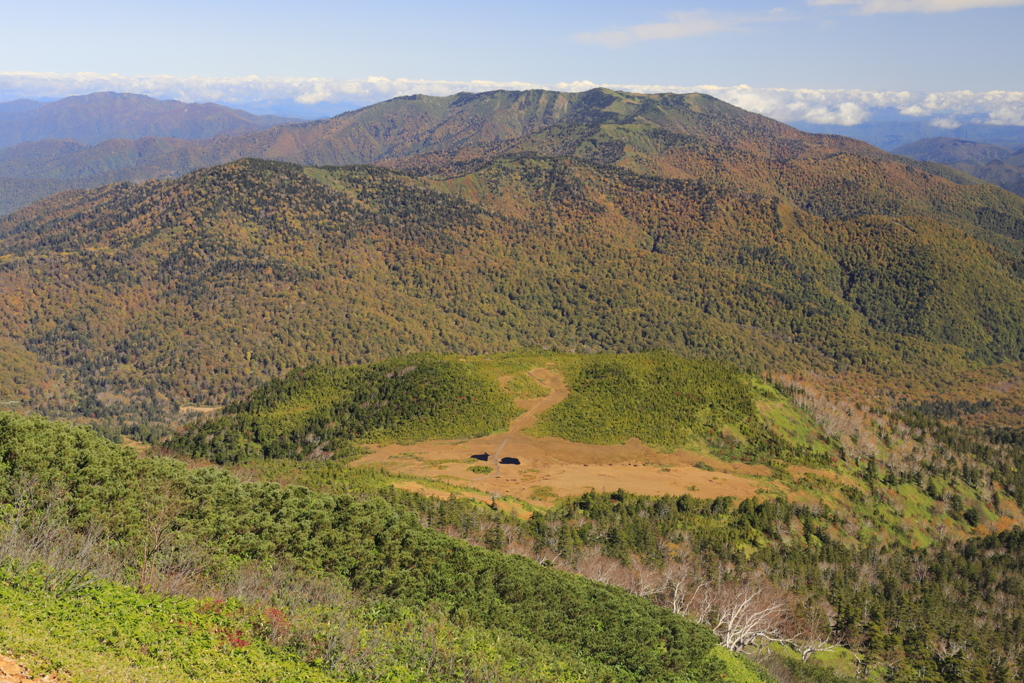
823,61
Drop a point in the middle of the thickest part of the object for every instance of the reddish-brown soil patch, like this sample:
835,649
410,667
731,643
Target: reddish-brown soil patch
13,672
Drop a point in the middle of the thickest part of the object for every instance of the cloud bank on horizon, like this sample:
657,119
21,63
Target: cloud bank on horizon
922,6
835,107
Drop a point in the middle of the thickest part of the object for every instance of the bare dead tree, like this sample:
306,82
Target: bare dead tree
644,581
816,630
677,589
742,614
34,530
596,566
947,649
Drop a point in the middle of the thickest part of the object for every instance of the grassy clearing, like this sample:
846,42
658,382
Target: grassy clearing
522,387
324,411
716,415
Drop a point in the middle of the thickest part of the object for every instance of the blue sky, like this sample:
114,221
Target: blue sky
918,46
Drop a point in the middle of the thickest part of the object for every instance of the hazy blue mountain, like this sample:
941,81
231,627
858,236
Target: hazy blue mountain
291,108
892,134
991,163
1007,173
945,150
15,107
93,118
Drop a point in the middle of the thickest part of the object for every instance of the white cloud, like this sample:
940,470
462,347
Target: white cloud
842,107
680,25
1007,114
945,123
924,6
240,89
849,107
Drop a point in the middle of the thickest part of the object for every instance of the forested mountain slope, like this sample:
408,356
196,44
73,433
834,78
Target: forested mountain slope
196,289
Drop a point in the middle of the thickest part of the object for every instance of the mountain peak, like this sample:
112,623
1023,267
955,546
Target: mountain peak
684,136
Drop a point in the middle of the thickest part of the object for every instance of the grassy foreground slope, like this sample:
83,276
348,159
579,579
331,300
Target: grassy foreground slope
104,632
160,522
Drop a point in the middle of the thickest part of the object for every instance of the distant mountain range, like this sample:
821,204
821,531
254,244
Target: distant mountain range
122,137
892,134
133,137
991,163
595,221
91,119
90,140
18,106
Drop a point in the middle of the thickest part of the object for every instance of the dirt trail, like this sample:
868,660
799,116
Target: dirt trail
533,407
551,467
12,672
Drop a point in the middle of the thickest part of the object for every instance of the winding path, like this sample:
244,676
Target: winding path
548,378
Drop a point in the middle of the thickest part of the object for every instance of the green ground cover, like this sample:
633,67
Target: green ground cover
156,516
102,633
662,399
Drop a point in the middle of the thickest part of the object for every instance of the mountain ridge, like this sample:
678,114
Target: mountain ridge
1000,166
429,135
